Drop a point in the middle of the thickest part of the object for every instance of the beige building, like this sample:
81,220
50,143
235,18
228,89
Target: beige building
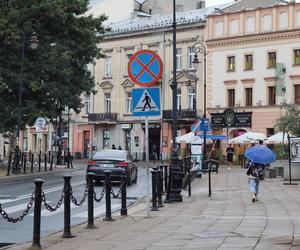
107,116
254,61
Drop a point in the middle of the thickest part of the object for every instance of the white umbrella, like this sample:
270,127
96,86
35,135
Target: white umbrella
189,138
248,137
278,138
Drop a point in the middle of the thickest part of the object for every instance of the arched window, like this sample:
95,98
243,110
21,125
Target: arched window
267,23
298,18
219,28
250,24
283,20
234,26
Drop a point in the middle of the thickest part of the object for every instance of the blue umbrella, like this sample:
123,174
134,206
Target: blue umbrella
260,154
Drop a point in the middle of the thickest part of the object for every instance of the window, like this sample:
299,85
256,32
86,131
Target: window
191,98
87,104
298,18
178,59
272,95
250,24
271,59
297,94
231,97
219,28
25,140
106,139
234,27
270,132
178,98
267,24
128,103
248,62
107,102
249,96
108,66
231,63
297,57
191,58
283,20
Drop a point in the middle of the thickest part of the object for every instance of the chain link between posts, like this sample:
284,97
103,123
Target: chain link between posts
117,195
81,202
101,195
21,217
58,205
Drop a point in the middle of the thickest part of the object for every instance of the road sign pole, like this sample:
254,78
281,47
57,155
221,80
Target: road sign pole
147,164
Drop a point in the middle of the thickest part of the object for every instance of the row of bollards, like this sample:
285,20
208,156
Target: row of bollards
39,198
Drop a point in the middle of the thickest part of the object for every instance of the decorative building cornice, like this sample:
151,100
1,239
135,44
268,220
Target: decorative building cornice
270,78
248,80
295,77
253,38
230,82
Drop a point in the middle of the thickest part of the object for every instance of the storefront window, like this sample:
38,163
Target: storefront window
106,139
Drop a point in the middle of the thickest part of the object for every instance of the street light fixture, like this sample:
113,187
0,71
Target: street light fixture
200,47
34,41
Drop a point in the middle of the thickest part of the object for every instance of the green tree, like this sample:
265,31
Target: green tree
289,122
56,74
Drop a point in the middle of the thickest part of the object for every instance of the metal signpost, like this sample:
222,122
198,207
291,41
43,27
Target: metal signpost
145,68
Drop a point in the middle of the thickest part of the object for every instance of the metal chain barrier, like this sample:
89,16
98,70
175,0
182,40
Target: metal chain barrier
21,217
101,195
117,195
58,205
75,201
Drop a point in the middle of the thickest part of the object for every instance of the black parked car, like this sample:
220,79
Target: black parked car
116,161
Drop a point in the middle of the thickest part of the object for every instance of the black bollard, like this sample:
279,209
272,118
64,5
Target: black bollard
67,207
68,160
124,194
31,164
90,185
189,180
154,190
40,160
37,213
107,196
166,177
24,163
45,162
159,188
51,163
209,179
64,156
22,160
9,164
49,156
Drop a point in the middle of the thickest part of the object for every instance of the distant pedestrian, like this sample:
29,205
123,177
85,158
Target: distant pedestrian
229,156
119,148
113,146
256,173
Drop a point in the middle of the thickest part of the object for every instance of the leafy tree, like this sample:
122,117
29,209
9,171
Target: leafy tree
56,74
290,121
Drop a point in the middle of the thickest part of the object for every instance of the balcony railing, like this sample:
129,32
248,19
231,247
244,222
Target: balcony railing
182,114
102,117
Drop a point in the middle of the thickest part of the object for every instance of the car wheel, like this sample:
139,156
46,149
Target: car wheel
129,182
135,178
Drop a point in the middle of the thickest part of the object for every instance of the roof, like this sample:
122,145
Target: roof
252,4
139,23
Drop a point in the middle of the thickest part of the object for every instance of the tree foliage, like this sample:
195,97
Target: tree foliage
56,74
290,120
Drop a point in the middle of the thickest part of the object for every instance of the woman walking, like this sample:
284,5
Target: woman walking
256,174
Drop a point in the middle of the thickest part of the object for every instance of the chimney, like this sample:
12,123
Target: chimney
200,4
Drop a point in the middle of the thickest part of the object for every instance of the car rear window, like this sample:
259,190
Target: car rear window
110,155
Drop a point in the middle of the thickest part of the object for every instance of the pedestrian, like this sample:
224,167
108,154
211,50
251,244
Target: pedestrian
255,173
113,146
229,156
119,148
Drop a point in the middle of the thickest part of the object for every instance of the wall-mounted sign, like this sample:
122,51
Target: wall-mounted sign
295,149
233,119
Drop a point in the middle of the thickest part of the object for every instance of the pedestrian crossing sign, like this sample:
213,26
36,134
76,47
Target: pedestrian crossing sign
146,101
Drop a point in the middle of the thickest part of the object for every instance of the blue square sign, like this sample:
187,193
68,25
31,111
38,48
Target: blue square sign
146,102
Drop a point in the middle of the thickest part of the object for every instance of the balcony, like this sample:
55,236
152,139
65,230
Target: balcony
182,115
103,118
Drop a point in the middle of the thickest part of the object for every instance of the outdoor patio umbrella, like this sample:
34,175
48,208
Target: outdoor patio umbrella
248,137
260,154
278,138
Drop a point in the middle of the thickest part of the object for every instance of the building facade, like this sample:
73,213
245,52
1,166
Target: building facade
254,61
107,116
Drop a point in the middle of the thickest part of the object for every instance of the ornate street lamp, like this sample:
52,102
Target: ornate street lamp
34,41
200,47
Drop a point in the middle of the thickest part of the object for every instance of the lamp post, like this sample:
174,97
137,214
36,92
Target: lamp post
200,47
34,42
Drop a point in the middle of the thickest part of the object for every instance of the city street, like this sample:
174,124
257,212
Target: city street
15,193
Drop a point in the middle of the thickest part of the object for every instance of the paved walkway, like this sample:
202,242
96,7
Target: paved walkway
227,220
